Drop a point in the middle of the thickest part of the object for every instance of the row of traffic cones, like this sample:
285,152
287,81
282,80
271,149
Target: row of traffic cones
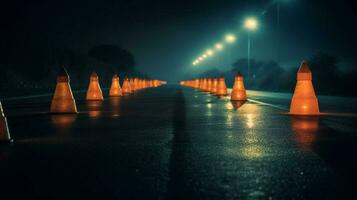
304,100
217,86
64,102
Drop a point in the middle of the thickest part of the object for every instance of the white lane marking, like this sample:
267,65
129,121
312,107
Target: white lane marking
268,104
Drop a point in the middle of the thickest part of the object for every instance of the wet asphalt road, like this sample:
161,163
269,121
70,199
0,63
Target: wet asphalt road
177,143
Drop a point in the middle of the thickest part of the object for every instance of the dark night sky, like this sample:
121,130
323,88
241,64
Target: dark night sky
165,36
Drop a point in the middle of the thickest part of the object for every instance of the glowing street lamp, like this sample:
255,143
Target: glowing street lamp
230,38
209,52
219,46
204,56
251,24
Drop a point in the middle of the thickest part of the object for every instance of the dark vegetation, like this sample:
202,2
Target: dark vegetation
328,78
40,69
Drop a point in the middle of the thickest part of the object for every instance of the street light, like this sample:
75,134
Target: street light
251,24
219,46
204,56
230,38
209,52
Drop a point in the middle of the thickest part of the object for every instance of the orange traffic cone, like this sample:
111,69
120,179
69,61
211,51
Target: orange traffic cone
133,86
115,89
4,130
144,84
237,104
151,82
209,85
94,92
137,84
204,84
304,101
126,86
156,83
63,100
196,84
238,91
200,85
214,86
221,87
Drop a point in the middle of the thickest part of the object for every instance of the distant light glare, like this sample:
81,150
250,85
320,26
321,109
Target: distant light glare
251,23
219,46
204,56
200,58
209,52
230,38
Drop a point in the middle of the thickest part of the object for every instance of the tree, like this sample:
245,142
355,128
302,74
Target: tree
117,58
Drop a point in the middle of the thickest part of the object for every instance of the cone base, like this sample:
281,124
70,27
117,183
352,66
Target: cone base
60,106
115,95
6,141
304,107
238,96
238,103
301,115
4,131
63,113
95,99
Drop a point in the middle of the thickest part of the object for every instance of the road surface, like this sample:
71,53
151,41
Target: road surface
174,142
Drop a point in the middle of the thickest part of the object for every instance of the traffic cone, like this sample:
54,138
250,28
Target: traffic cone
304,101
133,85
156,83
237,104
214,86
63,100
94,92
221,87
145,84
4,130
115,89
238,91
209,85
196,84
126,89
200,85
137,83
204,84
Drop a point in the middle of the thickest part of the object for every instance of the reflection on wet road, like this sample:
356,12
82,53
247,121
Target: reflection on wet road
176,143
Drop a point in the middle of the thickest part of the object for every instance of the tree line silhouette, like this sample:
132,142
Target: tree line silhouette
39,69
328,77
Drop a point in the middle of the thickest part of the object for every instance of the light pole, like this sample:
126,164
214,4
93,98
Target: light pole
250,24
230,39
218,47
